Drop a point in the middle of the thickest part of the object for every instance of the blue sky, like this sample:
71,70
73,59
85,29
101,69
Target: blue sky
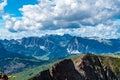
12,8
86,18
14,5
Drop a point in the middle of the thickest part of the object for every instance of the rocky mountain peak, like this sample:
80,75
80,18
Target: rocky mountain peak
55,46
86,67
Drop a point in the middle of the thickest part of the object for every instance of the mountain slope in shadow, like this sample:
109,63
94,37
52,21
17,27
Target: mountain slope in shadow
86,67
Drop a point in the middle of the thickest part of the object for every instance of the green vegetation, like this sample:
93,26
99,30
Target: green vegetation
30,72
112,62
117,55
26,74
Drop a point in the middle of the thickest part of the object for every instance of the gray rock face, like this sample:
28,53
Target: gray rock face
55,46
88,67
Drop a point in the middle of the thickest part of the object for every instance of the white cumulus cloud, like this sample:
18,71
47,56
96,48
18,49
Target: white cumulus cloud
95,17
3,4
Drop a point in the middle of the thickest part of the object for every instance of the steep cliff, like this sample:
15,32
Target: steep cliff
85,67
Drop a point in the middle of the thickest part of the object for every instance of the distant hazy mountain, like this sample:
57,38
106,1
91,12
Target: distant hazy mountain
12,62
4,53
55,46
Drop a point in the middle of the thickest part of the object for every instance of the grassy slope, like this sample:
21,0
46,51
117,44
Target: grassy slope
112,62
27,73
117,55
30,72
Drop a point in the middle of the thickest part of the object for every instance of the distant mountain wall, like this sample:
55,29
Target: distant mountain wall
55,46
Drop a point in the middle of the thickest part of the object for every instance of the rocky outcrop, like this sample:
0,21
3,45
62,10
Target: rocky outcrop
87,67
3,76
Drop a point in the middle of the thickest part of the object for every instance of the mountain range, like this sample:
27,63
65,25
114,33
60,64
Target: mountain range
16,55
55,46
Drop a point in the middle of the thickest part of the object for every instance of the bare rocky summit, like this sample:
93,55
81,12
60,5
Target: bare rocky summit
86,67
